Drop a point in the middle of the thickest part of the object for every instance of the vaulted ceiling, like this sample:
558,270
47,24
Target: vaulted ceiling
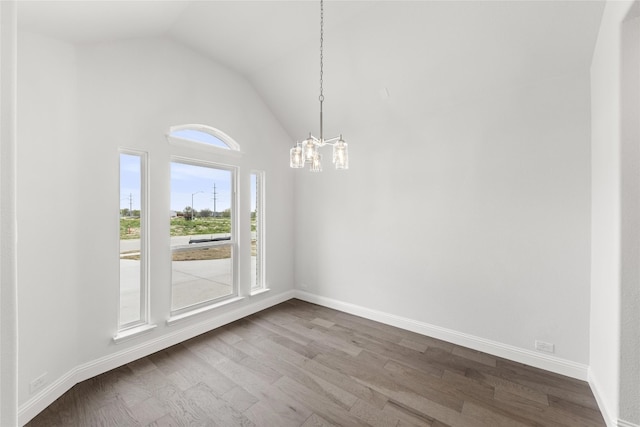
401,59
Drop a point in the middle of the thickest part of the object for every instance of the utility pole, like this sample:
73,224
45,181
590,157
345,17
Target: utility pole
215,197
130,204
192,211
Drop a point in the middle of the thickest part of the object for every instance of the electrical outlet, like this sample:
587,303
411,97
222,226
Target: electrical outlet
547,347
38,383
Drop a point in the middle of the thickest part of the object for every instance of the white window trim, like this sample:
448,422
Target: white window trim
133,332
143,322
173,318
233,150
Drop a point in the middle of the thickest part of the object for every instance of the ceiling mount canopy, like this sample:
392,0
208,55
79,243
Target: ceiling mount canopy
307,151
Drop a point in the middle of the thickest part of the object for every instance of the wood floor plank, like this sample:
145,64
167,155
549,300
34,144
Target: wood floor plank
318,404
279,331
524,408
386,381
183,410
265,392
372,416
474,355
389,350
316,420
218,410
406,417
321,335
300,364
453,386
552,416
538,384
492,418
322,322
240,398
345,382
373,328
149,410
165,421
586,412
305,378
420,347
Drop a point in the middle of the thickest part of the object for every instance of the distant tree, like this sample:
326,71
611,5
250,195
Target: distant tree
205,213
226,213
136,213
125,212
188,212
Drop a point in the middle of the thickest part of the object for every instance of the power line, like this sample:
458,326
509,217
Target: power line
215,199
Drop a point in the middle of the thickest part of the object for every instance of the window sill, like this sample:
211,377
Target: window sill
178,317
259,291
133,332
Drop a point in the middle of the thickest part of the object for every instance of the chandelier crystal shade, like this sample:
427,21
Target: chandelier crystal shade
307,152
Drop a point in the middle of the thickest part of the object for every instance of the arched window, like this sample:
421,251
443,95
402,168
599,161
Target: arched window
204,218
202,134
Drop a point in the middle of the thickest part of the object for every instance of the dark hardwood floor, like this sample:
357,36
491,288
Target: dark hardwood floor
299,364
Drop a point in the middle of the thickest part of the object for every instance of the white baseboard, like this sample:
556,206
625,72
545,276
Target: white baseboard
57,388
607,413
542,361
608,416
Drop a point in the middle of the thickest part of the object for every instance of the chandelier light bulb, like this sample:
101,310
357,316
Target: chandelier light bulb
316,163
341,155
310,150
296,161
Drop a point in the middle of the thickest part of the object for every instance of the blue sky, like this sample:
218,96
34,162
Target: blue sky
189,179
186,180
129,181
189,183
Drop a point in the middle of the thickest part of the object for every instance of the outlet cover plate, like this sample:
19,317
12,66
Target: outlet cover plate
547,347
37,383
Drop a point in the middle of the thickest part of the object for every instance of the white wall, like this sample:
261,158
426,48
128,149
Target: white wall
78,105
477,222
630,220
8,267
132,92
614,169
467,204
48,205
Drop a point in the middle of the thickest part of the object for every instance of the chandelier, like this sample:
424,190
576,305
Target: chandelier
307,151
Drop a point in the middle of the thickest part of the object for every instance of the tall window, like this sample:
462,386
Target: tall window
257,231
133,257
203,238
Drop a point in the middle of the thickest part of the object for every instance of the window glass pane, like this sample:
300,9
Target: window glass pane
257,280
200,275
201,234
131,279
199,136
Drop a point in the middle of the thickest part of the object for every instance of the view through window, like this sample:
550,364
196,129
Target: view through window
257,231
202,235
132,234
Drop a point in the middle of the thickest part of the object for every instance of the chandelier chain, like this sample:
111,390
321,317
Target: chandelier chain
321,97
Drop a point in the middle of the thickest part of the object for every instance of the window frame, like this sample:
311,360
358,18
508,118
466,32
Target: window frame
125,329
233,242
234,147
